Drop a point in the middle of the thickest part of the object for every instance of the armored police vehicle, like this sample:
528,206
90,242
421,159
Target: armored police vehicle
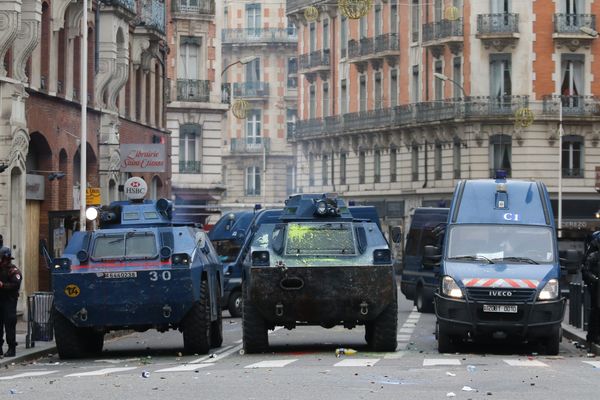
228,236
314,263
499,267
137,271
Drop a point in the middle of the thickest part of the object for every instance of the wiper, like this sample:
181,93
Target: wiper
472,258
117,240
518,259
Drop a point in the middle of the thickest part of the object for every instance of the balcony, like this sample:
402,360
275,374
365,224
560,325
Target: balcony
259,36
374,50
575,106
193,90
251,90
315,62
194,7
152,15
498,30
569,30
127,5
190,167
494,106
442,33
250,145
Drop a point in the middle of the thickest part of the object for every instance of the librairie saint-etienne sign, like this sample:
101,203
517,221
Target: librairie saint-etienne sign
143,157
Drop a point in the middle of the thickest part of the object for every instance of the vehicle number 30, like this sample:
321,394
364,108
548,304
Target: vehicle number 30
155,276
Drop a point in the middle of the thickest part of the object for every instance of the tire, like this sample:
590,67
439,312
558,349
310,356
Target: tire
423,303
381,334
445,342
234,304
216,327
93,342
70,340
254,329
552,342
196,327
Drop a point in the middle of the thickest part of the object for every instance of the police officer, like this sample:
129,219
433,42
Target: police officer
10,282
591,276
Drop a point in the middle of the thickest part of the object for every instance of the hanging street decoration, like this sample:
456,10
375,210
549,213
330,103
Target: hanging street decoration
524,117
452,13
355,9
239,108
311,13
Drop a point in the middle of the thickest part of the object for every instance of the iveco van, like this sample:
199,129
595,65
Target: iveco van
499,268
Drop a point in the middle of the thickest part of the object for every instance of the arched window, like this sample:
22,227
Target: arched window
500,154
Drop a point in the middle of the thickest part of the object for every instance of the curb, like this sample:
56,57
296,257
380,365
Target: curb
572,334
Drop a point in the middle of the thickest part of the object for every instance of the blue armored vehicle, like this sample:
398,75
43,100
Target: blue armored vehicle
315,263
137,271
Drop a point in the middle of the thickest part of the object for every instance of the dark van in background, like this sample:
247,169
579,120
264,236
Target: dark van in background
418,282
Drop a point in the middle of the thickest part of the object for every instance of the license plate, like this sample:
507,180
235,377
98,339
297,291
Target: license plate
116,275
499,308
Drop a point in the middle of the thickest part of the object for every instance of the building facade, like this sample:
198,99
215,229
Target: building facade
40,121
196,107
396,106
260,71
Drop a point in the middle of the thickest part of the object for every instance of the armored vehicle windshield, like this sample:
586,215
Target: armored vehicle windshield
320,239
129,245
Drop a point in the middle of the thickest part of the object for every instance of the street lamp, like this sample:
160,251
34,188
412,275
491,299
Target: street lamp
242,61
443,77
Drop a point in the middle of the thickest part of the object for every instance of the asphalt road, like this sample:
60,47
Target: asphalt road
302,365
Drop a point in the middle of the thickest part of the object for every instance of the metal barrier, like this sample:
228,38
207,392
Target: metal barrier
579,305
39,318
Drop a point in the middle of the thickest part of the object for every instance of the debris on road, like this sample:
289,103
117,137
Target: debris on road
450,374
451,394
471,368
145,374
468,389
344,352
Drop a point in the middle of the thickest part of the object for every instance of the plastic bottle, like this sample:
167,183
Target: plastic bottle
344,352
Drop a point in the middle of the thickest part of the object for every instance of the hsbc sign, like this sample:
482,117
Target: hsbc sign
143,157
135,188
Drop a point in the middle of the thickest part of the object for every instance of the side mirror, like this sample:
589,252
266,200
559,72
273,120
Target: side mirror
432,255
396,234
571,261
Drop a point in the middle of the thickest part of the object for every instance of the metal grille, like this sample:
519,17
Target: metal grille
483,295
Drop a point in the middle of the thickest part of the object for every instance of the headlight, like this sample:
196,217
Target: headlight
550,291
450,288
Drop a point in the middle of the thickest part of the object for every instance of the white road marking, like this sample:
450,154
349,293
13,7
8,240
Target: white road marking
595,364
406,330
525,363
271,364
403,338
224,354
429,362
26,375
212,356
104,371
357,362
394,356
185,367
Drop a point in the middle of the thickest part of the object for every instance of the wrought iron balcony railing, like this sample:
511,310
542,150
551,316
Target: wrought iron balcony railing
572,23
250,89
195,7
387,42
259,35
360,48
319,58
193,90
582,106
126,4
442,29
250,145
504,23
190,167
493,106
152,14
572,172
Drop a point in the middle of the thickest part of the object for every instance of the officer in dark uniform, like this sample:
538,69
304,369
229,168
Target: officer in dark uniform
10,282
591,276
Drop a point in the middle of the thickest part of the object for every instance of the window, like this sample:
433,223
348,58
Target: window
361,167
291,29
572,156
131,245
500,6
377,166
324,169
189,50
325,99
415,84
320,239
393,164
344,37
253,71
500,80
253,22
253,181
572,8
500,154
415,163
393,88
311,170
313,37
253,128
291,116
572,81
378,20
363,93
325,34
378,95
437,160
457,77
344,97
290,179
190,136
362,27
343,157
312,111
394,18
415,15
456,158
292,80
437,13
438,83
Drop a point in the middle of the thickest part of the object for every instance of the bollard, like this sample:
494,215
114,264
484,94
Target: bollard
587,306
575,304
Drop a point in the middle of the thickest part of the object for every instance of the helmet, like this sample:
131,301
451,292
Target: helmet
5,253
